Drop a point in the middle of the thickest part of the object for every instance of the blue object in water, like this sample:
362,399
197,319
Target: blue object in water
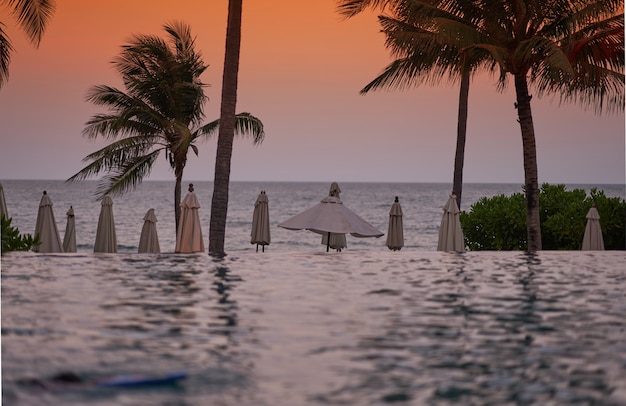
138,380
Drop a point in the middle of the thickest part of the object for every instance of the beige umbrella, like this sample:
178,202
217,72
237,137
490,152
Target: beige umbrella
189,235
260,234
46,227
69,238
106,240
149,239
450,233
592,240
335,241
395,232
3,204
331,216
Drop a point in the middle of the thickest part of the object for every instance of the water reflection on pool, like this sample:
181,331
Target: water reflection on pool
295,328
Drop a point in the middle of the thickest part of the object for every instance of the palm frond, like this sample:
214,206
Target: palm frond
114,156
6,49
126,177
32,16
246,125
350,8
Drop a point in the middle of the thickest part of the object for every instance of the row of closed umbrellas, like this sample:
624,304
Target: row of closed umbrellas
188,237
333,220
330,218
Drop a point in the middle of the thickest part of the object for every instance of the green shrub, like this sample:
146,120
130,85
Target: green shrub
12,240
499,223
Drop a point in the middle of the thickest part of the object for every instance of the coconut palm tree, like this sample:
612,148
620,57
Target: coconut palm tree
574,48
219,203
160,111
32,16
424,57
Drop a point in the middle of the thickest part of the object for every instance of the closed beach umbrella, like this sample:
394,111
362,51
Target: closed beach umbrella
335,241
106,240
149,240
592,240
260,234
395,232
46,227
69,239
331,216
189,235
450,233
3,204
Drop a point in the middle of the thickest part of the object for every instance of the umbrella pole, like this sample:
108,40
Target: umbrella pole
328,242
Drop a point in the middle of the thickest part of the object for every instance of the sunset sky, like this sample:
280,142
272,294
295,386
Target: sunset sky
301,70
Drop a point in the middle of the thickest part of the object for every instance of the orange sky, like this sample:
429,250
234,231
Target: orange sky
301,70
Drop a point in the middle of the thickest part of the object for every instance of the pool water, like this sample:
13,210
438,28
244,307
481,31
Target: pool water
309,328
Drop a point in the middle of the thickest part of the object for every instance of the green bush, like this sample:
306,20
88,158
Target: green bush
12,240
499,223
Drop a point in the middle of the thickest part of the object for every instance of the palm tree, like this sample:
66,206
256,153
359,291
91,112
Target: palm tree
574,48
424,57
161,111
32,17
219,203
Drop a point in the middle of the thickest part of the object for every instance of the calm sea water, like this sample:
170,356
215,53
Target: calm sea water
298,326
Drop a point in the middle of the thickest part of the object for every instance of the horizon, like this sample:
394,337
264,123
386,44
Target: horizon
185,181
301,77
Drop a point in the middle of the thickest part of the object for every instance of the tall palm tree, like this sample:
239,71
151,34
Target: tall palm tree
219,203
574,48
161,111
425,57
32,16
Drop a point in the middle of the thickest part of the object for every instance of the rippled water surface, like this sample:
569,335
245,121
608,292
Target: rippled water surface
305,328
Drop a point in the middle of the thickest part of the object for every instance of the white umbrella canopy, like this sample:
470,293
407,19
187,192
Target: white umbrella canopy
149,239
106,239
395,232
450,233
189,234
331,216
3,204
46,227
335,241
69,238
592,240
260,234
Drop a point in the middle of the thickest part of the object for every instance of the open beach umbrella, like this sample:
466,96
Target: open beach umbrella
450,233
149,240
189,235
106,240
69,238
3,204
260,234
333,240
46,227
592,240
395,232
331,216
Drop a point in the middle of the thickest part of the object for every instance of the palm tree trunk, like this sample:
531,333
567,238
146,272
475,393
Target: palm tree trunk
179,179
461,132
531,178
219,203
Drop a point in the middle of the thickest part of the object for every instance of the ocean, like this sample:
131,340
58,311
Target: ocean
421,205
295,325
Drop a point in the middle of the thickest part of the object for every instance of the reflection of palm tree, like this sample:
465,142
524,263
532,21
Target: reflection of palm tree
575,49
161,110
32,17
219,202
